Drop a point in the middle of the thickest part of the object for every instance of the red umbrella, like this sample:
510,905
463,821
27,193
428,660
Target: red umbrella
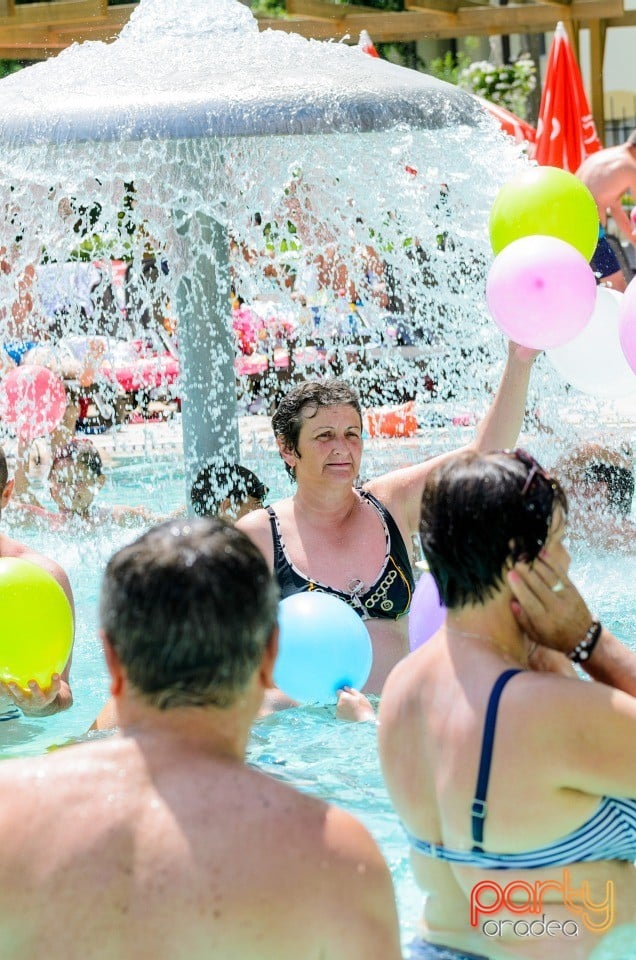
366,44
510,123
566,134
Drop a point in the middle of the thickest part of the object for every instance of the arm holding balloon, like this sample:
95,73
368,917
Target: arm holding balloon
401,490
57,696
500,427
38,702
354,706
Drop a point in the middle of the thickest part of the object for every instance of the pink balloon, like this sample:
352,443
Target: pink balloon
541,291
33,400
427,612
627,324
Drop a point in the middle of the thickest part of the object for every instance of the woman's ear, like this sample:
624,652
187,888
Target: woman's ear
289,456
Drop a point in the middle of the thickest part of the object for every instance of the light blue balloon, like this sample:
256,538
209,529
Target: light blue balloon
324,646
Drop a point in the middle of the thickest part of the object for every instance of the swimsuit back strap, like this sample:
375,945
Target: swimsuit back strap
478,808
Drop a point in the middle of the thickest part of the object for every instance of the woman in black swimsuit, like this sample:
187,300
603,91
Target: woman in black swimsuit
356,543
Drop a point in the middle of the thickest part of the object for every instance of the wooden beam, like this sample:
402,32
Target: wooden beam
627,20
598,34
39,36
54,12
42,40
324,10
416,23
539,18
385,27
328,10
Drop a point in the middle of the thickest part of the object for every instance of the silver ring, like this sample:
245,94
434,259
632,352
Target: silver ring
558,587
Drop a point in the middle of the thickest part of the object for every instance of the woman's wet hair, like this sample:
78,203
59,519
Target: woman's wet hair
189,608
303,402
481,512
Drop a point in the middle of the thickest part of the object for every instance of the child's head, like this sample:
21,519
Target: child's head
76,476
228,491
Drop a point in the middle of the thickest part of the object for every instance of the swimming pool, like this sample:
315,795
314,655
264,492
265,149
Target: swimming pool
306,747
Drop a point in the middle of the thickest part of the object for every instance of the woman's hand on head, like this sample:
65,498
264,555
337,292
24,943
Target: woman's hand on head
547,605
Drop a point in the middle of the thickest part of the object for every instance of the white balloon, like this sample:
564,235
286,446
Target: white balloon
594,361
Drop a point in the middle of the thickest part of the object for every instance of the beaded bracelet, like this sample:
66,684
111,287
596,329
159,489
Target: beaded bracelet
584,648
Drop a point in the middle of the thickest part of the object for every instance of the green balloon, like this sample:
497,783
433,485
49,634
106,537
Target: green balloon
36,624
548,201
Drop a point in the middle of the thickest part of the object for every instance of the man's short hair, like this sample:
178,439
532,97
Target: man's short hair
189,608
215,483
303,402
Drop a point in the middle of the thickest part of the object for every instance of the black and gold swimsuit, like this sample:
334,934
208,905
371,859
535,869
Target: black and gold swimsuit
389,598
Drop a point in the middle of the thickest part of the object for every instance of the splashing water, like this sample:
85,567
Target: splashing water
328,176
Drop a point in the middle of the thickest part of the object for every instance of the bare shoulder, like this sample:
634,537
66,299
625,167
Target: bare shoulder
394,488
256,525
401,490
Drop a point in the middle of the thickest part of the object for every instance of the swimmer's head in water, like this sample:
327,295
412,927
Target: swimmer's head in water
480,512
303,402
76,475
620,484
189,608
227,485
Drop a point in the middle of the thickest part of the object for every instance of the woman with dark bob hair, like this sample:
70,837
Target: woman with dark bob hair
356,543
513,775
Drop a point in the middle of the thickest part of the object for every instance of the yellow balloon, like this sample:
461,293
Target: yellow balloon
547,201
36,624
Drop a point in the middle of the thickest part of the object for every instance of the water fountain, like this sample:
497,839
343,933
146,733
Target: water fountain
206,123
171,141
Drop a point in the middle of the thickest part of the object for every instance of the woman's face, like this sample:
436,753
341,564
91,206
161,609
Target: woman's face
330,445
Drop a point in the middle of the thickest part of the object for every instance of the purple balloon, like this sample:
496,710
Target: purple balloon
427,612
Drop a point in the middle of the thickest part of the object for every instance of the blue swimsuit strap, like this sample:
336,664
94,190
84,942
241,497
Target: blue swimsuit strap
478,808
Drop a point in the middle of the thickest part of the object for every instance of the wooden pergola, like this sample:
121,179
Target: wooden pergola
35,31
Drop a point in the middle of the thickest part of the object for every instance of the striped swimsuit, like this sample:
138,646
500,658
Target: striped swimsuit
609,834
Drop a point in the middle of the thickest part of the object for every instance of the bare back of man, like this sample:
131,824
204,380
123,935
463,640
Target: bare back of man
186,855
161,843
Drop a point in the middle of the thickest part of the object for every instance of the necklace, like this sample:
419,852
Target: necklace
356,587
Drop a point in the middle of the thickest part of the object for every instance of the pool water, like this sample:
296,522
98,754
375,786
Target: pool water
306,747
